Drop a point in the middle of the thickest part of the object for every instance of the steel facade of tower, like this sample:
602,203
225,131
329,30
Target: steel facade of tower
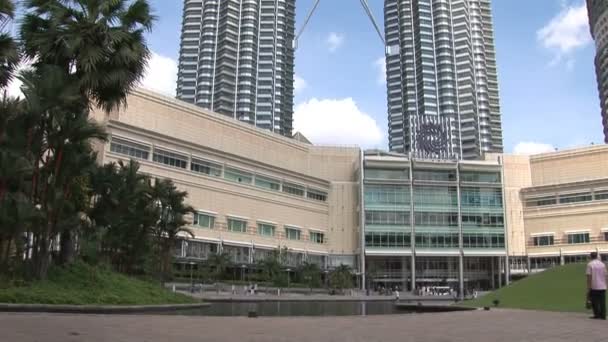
441,78
237,59
598,22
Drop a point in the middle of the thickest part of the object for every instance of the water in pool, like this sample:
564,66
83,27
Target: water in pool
295,308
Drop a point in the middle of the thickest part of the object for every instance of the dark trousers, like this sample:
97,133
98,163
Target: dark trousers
598,302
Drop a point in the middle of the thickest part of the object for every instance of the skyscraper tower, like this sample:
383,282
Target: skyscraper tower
237,59
441,78
598,21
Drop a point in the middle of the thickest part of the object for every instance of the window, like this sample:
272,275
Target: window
206,168
204,220
435,175
292,233
605,236
267,183
574,198
480,177
542,201
317,195
266,229
436,240
387,195
238,176
128,148
387,239
578,238
546,240
170,158
316,237
293,189
389,218
402,174
483,241
237,226
601,195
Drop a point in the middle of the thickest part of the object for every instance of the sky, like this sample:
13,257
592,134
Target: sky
545,54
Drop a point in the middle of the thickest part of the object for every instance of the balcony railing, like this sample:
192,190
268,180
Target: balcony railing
564,242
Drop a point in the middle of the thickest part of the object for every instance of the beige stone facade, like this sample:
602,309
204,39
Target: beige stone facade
290,193
232,170
562,205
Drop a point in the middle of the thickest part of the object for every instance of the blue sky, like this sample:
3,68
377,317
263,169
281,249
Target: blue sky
545,64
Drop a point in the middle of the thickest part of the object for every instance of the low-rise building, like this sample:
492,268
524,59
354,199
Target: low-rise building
397,221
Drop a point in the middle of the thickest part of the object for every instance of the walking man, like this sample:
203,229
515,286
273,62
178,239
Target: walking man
596,285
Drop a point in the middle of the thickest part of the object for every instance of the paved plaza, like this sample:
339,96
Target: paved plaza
497,325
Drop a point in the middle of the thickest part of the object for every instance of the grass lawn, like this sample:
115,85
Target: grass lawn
558,289
81,284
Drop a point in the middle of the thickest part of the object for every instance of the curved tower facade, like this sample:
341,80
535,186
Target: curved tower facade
237,59
598,21
441,77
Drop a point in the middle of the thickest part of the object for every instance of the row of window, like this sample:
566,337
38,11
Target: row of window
433,175
571,239
236,225
567,199
426,195
433,240
434,219
139,151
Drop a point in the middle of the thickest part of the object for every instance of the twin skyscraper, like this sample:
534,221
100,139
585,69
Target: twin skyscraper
237,59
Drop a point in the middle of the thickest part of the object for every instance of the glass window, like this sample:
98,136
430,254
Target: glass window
238,176
292,233
266,229
478,198
237,226
170,158
316,195
547,240
542,201
601,195
267,183
387,195
389,218
131,149
435,219
480,177
204,220
207,168
574,198
435,175
317,237
402,174
293,189
435,196
578,238
387,239
483,241
605,236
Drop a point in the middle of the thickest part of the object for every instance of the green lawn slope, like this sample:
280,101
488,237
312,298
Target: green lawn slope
558,289
81,284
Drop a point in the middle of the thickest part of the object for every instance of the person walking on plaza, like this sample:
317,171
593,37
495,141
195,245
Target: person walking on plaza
596,286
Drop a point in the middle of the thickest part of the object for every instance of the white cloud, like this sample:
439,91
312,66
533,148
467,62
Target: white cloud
334,41
161,75
529,148
566,32
299,84
380,65
337,122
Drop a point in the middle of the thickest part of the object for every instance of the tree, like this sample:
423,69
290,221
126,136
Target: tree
101,43
172,220
272,267
218,263
341,278
9,55
310,273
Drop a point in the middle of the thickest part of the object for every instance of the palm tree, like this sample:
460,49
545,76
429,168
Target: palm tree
9,55
341,278
101,42
311,274
219,262
172,220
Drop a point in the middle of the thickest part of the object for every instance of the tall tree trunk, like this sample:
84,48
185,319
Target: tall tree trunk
67,247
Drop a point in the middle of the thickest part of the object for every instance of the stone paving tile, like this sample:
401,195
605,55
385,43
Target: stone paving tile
497,325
